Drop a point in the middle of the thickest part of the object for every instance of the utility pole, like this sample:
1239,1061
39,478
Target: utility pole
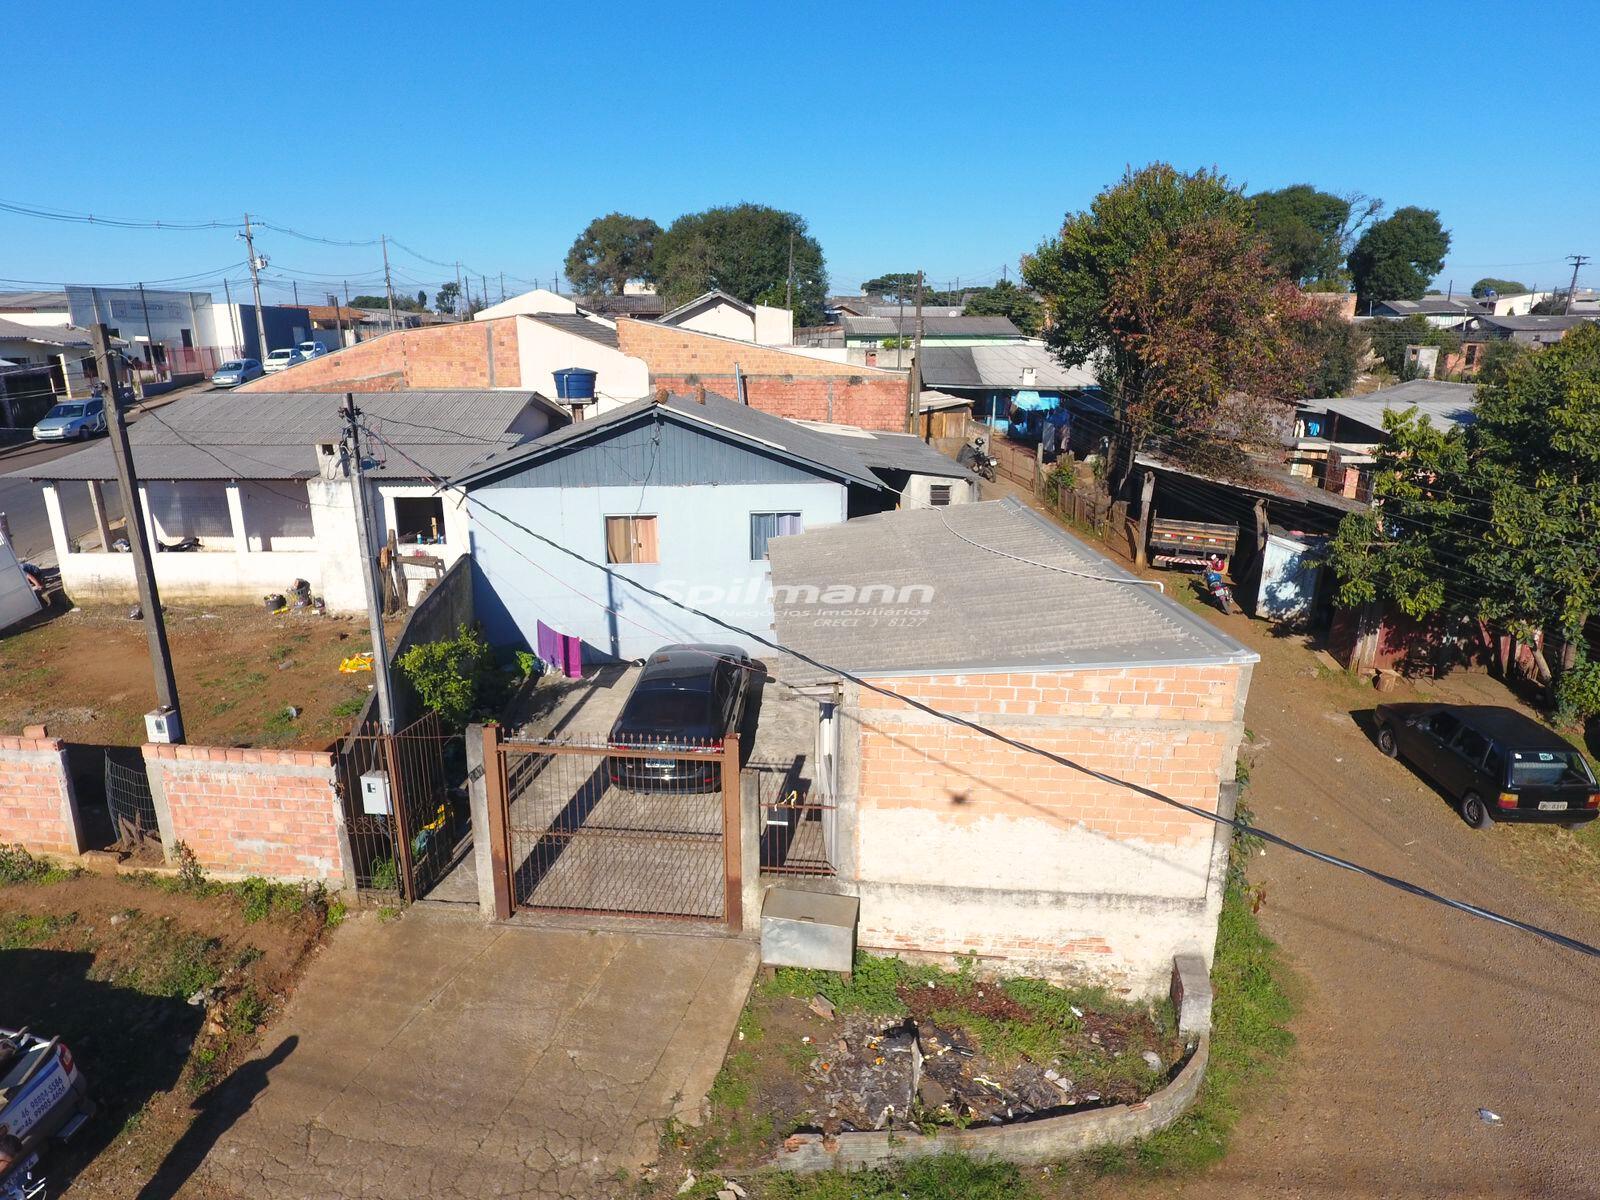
502,287
149,337
459,292
295,284
1577,260
788,287
353,469
483,290
132,504
914,379
255,289
233,321
900,328
388,284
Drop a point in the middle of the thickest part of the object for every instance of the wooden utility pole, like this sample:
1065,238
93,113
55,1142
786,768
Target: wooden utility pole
1577,260
388,283
788,287
459,292
914,379
133,505
502,287
353,469
255,288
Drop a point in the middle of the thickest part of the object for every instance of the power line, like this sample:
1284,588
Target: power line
995,735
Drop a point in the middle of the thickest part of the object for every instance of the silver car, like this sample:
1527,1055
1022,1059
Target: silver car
279,360
72,420
236,371
311,350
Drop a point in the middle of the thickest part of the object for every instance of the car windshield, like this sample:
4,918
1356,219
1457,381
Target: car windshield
1549,768
65,410
280,354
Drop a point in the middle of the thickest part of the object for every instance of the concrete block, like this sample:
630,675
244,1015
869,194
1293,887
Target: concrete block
814,930
1191,993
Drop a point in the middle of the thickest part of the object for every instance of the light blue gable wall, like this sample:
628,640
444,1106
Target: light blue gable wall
704,533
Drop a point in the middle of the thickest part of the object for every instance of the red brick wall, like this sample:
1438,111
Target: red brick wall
439,356
776,380
37,807
253,812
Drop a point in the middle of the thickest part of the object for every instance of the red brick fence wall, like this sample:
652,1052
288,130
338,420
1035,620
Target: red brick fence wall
37,805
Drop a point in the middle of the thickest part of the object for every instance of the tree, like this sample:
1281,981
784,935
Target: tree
1391,337
1303,229
448,299
1006,299
611,251
1162,283
1500,287
743,250
893,286
1333,349
402,303
421,304
1398,256
1498,521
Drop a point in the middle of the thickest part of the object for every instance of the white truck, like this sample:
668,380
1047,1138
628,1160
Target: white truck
43,1096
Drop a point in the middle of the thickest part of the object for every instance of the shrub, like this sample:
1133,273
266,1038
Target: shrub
448,674
1578,693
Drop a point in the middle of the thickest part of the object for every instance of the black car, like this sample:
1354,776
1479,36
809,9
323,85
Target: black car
686,698
1497,764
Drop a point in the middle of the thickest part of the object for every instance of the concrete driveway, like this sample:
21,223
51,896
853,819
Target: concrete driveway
434,1056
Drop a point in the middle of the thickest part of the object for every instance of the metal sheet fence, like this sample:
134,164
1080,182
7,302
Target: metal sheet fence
637,830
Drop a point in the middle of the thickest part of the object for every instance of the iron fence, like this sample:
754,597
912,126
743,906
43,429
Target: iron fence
797,825
628,828
407,826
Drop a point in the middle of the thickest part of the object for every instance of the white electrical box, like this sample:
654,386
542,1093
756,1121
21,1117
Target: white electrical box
162,725
375,793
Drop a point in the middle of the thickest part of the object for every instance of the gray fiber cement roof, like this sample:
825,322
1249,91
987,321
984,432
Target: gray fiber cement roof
1010,591
274,435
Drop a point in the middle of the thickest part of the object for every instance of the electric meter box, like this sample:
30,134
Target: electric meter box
375,793
162,725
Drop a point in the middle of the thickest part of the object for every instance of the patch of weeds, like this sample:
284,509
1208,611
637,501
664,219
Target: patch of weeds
944,1177
251,679
336,915
191,875
750,1030
246,1013
222,706
18,866
388,912
279,652
731,1088
279,724
131,1123
385,875
203,1069
174,962
350,707
262,898
873,987
19,931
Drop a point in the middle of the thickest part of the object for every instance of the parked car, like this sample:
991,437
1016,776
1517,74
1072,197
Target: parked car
1495,763
312,349
72,419
280,360
687,697
43,1095
236,371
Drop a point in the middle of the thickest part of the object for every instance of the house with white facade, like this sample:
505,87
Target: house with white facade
679,494
255,486
727,316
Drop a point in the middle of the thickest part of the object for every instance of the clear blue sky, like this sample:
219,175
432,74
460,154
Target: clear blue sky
948,136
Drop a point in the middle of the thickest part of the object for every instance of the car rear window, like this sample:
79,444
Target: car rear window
667,709
1549,768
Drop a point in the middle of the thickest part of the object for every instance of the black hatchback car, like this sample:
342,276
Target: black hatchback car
686,698
1497,764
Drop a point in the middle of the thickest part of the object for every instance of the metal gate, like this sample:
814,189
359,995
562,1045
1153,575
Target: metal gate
593,826
133,812
408,828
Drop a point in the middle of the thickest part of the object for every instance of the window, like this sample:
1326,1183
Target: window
1443,726
766,526
632,540
186,338
1471,745
1549,768
419,520
939,494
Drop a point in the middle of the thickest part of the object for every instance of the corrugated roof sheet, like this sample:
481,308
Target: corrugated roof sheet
605,333
1000,367
1447,405
632,306
931,326
274,435
50,335
32,301
1535,321
993,606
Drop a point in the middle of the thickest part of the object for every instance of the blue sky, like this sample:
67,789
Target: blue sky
948,136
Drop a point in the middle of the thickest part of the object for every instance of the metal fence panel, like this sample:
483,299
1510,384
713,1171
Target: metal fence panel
133,812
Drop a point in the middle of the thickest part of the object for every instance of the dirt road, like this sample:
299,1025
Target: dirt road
1415,1016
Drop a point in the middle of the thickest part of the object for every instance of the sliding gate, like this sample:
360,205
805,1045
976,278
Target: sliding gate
589,826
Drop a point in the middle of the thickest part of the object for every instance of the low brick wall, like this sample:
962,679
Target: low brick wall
274,813
1028,1143
37,805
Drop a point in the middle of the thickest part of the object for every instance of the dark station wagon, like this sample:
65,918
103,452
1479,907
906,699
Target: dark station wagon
1495,763
686,699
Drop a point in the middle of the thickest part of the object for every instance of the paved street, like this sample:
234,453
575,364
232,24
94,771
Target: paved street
434,1056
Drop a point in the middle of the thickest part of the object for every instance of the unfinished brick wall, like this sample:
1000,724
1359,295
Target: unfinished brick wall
469,354
37,807
964,845
776,380
273,813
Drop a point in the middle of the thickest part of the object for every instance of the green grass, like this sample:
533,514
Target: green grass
946,1177
174,962
873,987
18,866
20,931
349,708
246,1013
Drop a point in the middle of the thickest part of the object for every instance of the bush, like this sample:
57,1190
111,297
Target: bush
449,674
1578,693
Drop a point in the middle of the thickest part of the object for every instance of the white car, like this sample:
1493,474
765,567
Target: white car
280,360
312,349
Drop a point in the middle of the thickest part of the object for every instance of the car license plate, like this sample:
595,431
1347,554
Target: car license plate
665,764
1552,806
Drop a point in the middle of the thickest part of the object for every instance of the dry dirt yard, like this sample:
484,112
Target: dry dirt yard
87,675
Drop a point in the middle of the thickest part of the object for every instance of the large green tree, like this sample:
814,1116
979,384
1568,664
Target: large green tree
612,250
1500,287
892,286
744,250
1398,256
1499,521
1006,299
1303,229
1163,284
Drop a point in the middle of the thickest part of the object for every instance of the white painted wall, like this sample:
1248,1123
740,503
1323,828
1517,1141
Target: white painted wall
539,300
723,320
543,350
774,326
704,534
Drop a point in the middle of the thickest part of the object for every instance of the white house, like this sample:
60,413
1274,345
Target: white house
682,495
256,480
724,315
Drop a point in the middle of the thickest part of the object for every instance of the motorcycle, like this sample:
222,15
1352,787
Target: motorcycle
1220,591
976,459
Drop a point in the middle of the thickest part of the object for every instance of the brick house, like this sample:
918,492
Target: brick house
957,844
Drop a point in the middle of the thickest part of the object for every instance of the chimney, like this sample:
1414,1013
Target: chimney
700,393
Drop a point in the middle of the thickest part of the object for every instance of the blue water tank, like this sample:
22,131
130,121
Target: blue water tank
575,384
